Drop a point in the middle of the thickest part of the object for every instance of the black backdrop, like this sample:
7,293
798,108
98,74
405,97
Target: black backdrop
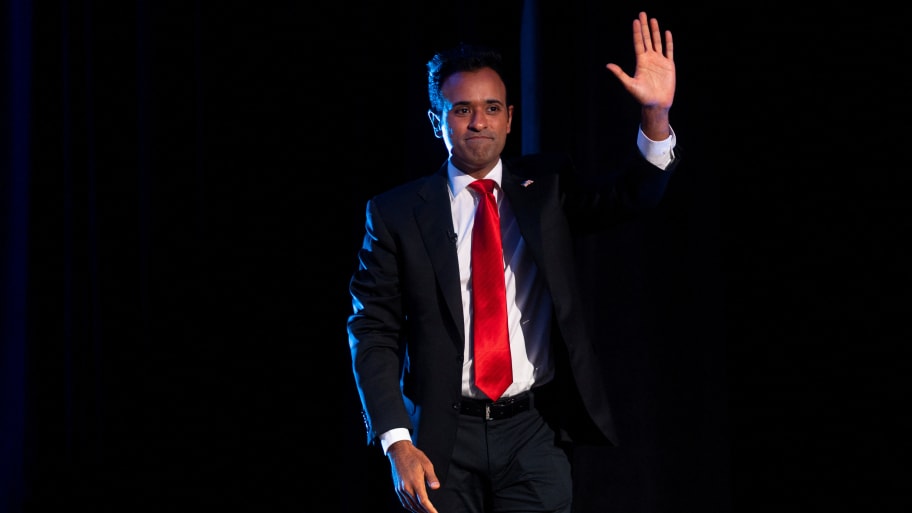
186,195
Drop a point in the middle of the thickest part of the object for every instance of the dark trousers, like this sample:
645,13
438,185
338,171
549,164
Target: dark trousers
506,466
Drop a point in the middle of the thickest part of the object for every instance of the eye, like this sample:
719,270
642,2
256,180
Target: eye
493,108
461,110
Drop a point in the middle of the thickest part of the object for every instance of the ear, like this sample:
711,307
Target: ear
435,122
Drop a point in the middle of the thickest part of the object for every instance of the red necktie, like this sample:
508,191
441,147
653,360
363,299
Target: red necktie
493,366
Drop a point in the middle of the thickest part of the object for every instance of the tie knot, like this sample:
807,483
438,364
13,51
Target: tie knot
485,185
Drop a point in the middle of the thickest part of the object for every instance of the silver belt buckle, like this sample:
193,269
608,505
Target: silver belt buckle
488,411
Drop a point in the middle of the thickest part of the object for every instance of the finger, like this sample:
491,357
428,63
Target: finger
417,501
638,46
669,46
424,504
617,71
656,35
422,501
432,480
643,35
406,503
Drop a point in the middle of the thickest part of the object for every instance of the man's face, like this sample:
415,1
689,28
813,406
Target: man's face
476,121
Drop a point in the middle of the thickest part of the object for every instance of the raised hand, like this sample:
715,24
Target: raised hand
653,80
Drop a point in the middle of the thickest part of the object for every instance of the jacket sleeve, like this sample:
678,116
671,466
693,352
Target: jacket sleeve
374,329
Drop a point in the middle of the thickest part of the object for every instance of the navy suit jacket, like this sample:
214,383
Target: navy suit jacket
406,333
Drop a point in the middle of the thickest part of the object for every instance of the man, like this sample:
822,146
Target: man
451,446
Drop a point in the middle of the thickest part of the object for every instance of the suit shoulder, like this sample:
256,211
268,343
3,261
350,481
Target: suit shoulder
403,198
403,190
538,164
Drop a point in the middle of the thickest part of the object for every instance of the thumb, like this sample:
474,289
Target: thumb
432,481
617,71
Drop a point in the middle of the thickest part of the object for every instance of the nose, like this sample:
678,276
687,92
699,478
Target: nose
478,121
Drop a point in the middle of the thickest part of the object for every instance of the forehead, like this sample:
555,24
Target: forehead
480,86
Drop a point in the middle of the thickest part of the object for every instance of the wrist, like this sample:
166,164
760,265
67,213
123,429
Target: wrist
655,123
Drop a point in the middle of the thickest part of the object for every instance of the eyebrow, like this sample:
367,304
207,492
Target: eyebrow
487,102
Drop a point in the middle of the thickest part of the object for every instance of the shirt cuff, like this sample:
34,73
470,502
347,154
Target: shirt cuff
392,436
659,153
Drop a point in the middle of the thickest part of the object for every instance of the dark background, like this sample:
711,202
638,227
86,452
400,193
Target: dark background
183,195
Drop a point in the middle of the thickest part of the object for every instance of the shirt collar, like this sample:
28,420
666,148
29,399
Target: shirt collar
459,180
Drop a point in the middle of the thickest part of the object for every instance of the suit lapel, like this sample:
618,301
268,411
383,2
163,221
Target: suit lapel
435,220
526,200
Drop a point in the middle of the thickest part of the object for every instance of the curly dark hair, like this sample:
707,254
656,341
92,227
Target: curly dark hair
462,57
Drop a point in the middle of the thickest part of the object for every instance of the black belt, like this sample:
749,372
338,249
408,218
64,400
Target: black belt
497,410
